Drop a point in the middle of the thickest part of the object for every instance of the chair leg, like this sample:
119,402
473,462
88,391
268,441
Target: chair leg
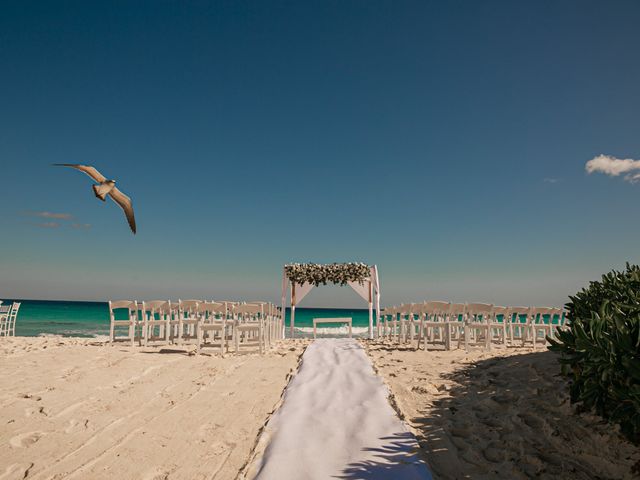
466,337
261,339
534,334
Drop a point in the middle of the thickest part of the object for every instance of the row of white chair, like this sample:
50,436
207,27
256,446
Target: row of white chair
8,317
445,322
205,323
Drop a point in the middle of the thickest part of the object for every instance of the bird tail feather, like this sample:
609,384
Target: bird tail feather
101,195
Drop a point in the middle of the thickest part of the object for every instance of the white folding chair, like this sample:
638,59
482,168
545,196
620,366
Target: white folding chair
188,320
156,315
131,320
13,316
435,323
404,317
389,322
248,325
456,322
501,327
559,313
414,321
537,324
4,320
517,325
478,321
213,319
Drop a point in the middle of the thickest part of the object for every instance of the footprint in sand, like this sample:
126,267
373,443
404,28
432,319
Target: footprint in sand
495,453
25,440
74,425
36,410
532,421
158,474
218,448
16,471
29,396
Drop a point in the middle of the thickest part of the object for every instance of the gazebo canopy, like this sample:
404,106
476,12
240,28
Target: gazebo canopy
302,277
336,273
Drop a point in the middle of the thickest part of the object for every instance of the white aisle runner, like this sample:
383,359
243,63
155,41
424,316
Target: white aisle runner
336,422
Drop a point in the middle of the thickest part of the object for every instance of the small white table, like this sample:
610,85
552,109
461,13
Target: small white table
332,320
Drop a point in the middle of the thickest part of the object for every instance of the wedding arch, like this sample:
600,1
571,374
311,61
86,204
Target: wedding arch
300,278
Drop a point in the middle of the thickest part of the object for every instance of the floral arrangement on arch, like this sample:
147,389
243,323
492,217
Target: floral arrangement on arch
337,273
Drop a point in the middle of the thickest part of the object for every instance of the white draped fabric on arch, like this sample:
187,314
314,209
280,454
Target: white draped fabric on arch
300,278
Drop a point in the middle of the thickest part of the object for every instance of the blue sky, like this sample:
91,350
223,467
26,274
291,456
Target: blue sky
444,141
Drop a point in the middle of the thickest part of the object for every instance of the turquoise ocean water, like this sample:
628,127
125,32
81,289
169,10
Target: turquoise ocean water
91,319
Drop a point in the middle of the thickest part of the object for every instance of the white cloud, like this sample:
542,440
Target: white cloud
48,224
81,225
614,167
551,180
59,216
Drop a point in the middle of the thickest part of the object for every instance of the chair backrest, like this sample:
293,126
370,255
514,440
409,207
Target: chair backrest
246,312
212,308
404,308
157,305
130,305
189,307
538,314
248,308
229,303
479,311
556,312
153,307
457,311
14,310
5,308
504,311
517,312
416,308
435,308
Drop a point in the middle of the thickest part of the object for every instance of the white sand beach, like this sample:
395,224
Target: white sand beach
76,408
499,414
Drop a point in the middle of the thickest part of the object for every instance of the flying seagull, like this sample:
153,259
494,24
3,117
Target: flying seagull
106,187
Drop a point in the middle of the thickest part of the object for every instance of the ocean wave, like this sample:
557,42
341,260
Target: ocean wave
99,335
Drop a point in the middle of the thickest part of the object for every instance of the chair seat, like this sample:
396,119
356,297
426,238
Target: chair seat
245,327
123,322
213,326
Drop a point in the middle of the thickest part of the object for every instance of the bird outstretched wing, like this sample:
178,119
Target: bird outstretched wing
125,203
89,170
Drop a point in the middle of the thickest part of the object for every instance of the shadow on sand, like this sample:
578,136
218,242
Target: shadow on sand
399,458
510,417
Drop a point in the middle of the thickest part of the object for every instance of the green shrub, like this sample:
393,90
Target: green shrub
600,350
